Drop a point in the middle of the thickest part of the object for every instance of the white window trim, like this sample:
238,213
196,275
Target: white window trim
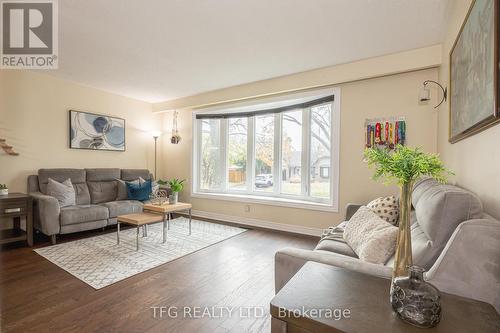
270,198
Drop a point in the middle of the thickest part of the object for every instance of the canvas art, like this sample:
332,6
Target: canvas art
94,131
473,72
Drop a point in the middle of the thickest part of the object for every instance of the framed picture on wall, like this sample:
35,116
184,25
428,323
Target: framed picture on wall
474,66
95,131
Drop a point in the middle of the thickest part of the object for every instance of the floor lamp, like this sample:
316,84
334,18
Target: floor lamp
156,135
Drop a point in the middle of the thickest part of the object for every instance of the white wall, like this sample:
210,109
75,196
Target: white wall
392,95
34,120
476,159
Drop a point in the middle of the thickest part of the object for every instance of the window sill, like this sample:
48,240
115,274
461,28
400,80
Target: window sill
271,201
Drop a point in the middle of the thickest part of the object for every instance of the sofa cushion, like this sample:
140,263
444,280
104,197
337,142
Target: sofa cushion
83,213
104,191
440,208
102,174
77,176
117,208
373,239
133,174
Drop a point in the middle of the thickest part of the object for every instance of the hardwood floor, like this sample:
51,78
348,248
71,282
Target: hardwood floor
38,296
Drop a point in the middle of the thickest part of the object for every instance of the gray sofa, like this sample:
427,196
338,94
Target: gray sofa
96,199
452,238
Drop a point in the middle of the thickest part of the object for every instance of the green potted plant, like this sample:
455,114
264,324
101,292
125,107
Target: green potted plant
176,186
4,190
403,167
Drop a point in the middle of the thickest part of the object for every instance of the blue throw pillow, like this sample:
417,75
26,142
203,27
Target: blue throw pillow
139,192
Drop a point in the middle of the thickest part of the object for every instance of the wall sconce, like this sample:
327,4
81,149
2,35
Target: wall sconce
425,93
176,138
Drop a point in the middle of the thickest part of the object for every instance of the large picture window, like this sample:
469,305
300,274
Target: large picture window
283,153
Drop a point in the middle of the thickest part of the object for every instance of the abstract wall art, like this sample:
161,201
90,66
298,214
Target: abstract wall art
474,72
95,131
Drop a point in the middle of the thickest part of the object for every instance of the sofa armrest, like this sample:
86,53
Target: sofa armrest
46,212
289,261
350,210
469,265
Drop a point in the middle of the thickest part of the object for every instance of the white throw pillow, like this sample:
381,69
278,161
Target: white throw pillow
387,208
373,239
64,192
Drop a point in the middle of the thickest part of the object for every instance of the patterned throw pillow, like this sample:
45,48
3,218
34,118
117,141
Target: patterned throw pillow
387,208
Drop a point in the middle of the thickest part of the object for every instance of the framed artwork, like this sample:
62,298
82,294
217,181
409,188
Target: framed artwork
95,131
474,67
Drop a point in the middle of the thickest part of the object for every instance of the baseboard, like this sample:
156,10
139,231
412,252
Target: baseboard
245,221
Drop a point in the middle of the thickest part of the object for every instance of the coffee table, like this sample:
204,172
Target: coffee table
167,208
140,220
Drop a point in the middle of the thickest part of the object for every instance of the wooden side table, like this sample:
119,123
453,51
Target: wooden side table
322,298
16,206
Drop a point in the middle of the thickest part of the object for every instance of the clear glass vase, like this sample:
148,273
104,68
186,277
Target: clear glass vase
403,257
416,301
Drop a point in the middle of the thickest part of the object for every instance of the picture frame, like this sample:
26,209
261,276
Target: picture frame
92,131
474,91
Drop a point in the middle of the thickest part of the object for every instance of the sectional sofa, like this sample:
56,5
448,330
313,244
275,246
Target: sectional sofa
452,238
98,201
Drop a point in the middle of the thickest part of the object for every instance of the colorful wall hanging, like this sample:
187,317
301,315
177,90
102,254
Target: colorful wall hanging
385,132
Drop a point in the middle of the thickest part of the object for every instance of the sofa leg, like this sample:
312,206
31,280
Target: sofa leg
53,239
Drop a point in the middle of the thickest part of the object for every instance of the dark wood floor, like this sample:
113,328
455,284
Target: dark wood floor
38,296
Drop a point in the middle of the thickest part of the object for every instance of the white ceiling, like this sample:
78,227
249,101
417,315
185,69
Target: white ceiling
158,50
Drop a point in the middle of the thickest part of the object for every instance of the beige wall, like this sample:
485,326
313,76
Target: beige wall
385,96
475,160
34,119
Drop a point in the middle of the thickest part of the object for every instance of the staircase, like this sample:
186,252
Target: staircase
6,148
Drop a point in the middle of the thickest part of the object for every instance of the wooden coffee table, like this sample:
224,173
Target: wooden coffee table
167,208
140,220
152,214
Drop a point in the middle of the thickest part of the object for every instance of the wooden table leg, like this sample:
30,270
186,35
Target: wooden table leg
29,223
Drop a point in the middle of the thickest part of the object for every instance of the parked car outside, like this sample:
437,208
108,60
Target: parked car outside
264,180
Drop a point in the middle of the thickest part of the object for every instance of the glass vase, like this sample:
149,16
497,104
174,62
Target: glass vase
416,301
403,257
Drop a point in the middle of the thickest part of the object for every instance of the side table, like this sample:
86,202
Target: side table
16,206
322,298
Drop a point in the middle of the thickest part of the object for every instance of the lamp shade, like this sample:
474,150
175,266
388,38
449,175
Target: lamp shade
156,134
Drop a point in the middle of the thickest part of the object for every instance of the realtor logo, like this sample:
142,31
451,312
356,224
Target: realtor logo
29,34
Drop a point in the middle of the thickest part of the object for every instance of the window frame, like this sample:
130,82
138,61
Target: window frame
274,197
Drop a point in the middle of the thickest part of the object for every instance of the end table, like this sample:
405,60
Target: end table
322,298
16,206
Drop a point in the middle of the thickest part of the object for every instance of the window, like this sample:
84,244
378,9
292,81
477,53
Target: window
281,152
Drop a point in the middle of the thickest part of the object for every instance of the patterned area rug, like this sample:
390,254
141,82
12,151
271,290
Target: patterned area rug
99,261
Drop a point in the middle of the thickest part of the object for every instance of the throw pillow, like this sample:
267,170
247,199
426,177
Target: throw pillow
387,208
122,187
139,192
373,239
64,192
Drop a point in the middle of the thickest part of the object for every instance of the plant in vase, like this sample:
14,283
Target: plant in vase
403,167
176,186
4,190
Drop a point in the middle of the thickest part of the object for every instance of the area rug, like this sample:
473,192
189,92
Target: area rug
99,261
